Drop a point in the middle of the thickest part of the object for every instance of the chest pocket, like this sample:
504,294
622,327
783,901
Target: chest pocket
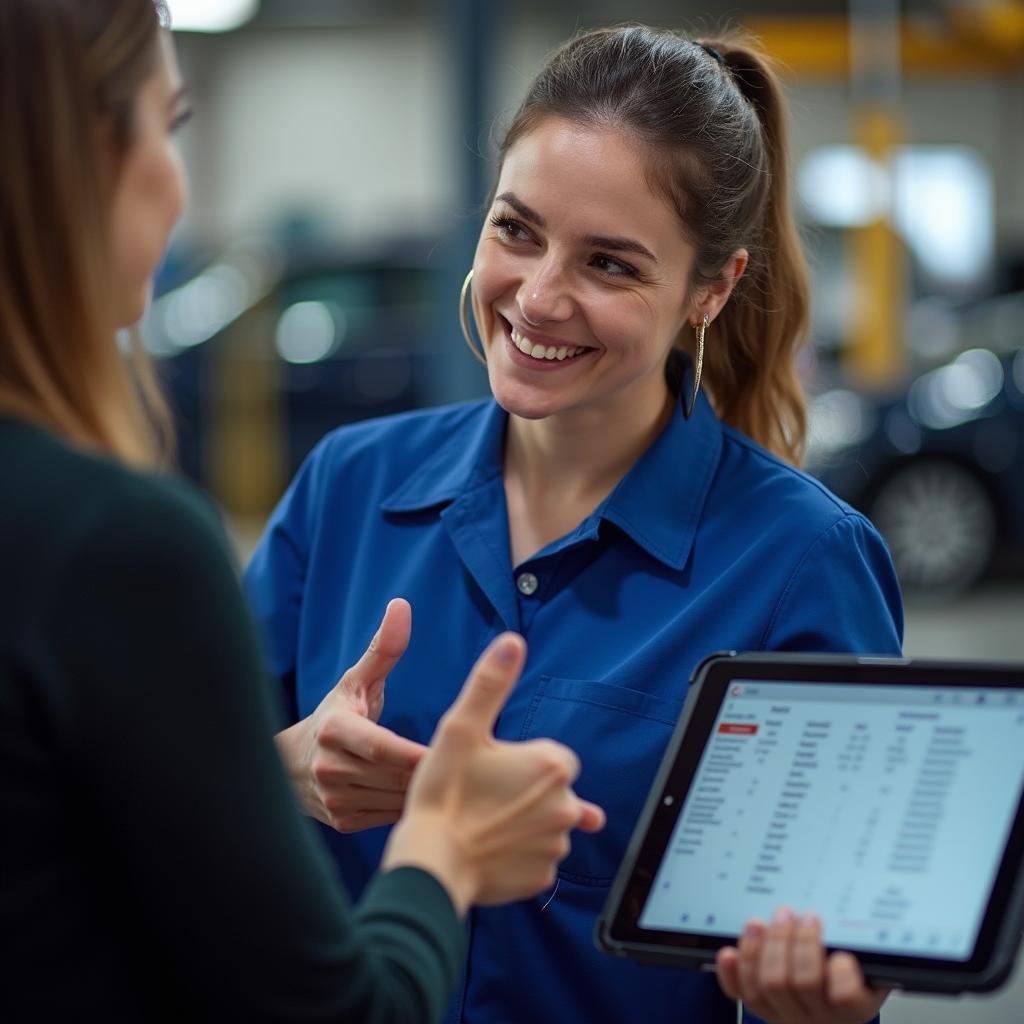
620,736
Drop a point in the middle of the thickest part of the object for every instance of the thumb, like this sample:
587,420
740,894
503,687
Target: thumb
485,691
592,818
384,651
392,638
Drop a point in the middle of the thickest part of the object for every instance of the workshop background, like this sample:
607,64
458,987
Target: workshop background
340,155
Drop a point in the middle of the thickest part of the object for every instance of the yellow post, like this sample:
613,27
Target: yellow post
875,348
245,457
874,345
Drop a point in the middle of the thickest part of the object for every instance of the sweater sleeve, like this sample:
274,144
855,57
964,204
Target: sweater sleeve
151,665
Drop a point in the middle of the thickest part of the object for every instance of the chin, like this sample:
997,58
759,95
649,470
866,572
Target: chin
528,406
132,308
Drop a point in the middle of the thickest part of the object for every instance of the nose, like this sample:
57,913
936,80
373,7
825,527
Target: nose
544,296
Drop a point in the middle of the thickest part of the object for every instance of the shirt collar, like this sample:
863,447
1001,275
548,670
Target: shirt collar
469,456
658,503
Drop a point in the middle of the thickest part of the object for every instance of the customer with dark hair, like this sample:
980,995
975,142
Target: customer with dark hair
628,501
154,865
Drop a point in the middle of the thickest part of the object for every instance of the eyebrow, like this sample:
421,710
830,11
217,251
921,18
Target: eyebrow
620,245
521,208
609,242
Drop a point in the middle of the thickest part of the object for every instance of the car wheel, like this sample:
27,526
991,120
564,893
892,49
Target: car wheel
939,521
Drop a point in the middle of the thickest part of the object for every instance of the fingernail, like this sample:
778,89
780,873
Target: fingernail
810,920
782,916
753,930
505,651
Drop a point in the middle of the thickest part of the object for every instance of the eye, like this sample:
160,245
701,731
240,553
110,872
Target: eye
613,267
511,229
180,120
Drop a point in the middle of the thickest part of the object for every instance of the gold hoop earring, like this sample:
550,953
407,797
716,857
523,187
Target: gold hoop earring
464,321
700,330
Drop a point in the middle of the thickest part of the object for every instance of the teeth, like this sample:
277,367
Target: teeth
543,352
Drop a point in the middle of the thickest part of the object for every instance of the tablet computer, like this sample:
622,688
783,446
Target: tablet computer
886,795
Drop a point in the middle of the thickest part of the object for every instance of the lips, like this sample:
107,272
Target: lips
542,349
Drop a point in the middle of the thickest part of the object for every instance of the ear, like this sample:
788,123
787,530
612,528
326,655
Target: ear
710,298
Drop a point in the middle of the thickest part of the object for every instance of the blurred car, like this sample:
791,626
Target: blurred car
939,467
267,348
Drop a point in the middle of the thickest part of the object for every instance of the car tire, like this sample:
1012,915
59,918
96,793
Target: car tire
939,521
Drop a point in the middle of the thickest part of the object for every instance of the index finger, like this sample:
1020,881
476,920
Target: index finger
807,962
378,745
490,682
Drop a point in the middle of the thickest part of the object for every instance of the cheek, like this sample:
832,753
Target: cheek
495,275
622,320
177,187
149,203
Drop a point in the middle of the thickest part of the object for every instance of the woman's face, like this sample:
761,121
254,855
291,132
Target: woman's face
580,278
150,188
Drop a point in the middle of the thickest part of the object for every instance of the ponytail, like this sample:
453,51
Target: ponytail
751,360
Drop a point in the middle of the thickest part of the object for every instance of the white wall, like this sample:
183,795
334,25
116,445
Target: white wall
349,123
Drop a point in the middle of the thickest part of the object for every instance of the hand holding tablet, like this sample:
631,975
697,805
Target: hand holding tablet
885,795
782,975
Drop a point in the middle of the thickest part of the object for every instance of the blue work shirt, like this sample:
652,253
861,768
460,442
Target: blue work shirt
708,543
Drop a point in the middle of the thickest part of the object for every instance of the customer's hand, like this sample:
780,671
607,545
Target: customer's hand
781,973
490,819
347,771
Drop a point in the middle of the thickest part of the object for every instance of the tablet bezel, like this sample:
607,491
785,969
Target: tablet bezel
619,932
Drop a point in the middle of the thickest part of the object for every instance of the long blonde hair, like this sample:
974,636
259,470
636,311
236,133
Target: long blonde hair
69,74
712,116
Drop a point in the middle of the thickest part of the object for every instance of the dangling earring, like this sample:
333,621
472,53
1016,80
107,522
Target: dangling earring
700,330
464,322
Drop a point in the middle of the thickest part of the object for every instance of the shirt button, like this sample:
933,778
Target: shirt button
526,583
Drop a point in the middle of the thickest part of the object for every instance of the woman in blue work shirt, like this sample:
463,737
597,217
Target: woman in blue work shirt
627,502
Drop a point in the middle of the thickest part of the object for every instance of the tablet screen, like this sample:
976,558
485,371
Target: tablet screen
886,810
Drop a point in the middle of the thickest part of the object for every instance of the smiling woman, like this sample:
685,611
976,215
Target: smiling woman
627,501
546,279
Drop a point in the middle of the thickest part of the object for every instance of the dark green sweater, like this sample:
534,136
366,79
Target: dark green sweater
153,863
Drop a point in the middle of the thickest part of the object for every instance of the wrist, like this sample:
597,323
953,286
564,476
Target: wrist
426,843
290,745
287,742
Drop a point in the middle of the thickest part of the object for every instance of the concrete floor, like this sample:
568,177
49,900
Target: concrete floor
988,623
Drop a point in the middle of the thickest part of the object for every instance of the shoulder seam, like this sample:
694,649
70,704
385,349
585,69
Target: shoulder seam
740,439
777,610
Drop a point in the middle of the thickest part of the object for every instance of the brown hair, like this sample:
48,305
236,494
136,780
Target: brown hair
713,117
69,74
